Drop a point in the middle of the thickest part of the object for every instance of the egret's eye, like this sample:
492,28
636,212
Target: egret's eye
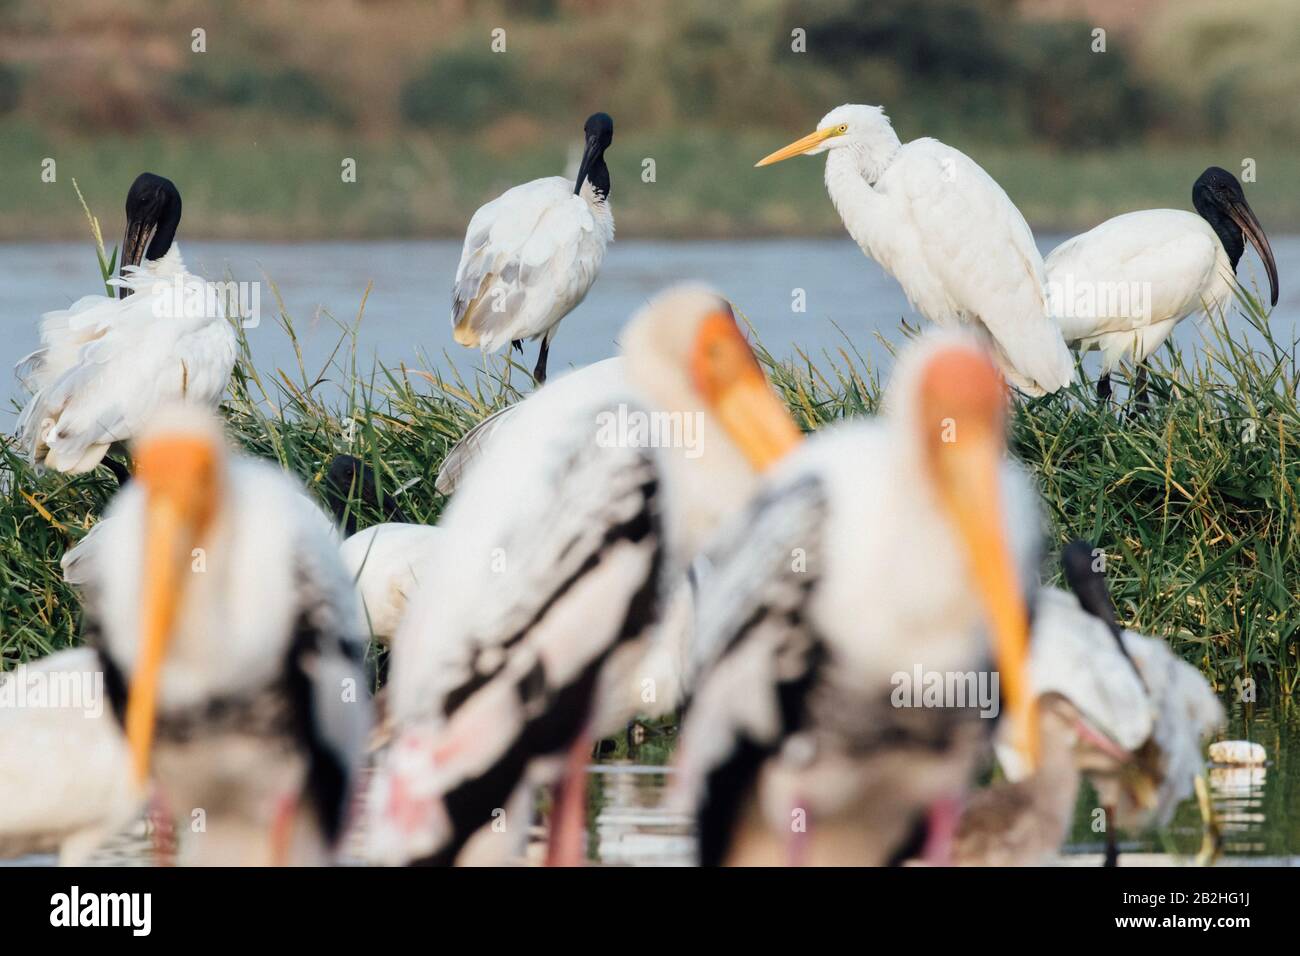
844,128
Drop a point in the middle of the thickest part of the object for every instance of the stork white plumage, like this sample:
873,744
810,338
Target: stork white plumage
940,225
532,253
559,540
232,647
1122,287
106,365
878,550
65,774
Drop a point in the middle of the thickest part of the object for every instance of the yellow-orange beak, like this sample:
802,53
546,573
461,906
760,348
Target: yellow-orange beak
726,373
963,404
799,146
178,474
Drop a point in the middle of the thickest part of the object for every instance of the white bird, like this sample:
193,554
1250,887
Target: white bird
65,774
940,225
880,553
106,365
1184,710
232,647
1122,287
531,254
388,562
519,647
1095,715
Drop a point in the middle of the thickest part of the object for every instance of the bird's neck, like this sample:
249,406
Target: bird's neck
1229,233
598,177
851,173
165,234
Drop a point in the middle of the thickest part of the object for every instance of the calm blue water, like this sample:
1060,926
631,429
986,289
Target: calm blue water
406,314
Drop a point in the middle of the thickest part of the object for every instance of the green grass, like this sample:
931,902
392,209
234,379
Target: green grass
1195,504
249,182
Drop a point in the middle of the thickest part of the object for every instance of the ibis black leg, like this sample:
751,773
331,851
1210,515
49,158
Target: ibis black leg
1141,397
119,470
539,373
1103,388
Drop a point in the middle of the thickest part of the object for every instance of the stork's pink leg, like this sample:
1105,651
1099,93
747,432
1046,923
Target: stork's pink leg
568,838
942,818
286,812
162,832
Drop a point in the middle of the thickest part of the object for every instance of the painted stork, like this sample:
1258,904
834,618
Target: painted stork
875,559
940,225
231,646
518,649
1122,287
105,366
531,254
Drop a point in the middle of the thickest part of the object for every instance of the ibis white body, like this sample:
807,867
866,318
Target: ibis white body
388,561
106,366
530,257
1122,287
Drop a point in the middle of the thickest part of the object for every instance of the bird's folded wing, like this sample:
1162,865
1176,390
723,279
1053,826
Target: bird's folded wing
980,247
515,245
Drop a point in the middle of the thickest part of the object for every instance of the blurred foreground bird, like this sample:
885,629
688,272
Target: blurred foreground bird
531,254
1094,715
65,774
106,366
940,225
519,648
880,556
231,647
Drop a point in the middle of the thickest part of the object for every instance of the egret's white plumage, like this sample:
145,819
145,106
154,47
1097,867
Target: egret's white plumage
940,225
1123,286
65,776
221,580
531,255
558,541
847,571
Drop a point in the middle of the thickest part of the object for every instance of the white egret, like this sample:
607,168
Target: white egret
1122,287
532,253
106,365
940,225
879,552
65,775
518,649
232,647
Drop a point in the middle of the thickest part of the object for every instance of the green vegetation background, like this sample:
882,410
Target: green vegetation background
255,129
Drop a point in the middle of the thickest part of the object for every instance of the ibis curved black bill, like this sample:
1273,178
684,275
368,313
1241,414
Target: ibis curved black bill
1244,217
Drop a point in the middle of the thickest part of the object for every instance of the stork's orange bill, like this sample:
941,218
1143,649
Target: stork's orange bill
178,475
962,407
728,376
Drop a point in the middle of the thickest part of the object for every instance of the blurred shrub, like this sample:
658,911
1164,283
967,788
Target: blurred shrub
288,92
463,90
11,88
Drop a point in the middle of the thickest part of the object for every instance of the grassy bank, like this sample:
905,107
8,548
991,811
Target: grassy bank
1195,505
247,183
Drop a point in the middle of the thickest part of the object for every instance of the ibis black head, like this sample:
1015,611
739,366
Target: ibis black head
349,480
1218,197
1079,561
598,132
153,211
